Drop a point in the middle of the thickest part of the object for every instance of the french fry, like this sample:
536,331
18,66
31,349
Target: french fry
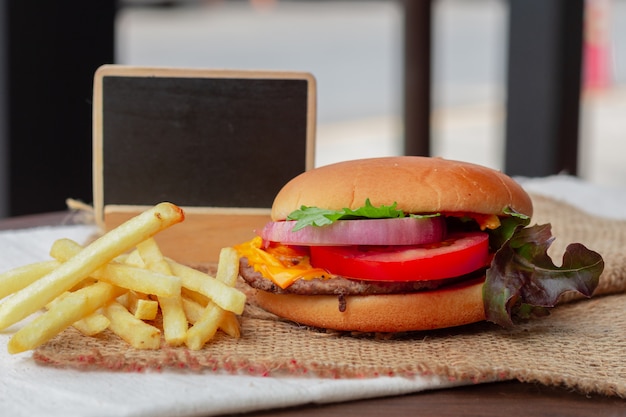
117,241
152,257
194,309
207,324
64,249
140,280
134,259
141,306
122,275
228,267
18,278
61,315
228,272
225,296
230,325
175,323
205,327
135,332
87,281
89,325
201,299
92,324
146,309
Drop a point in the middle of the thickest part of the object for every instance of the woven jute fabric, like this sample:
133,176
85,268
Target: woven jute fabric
580,345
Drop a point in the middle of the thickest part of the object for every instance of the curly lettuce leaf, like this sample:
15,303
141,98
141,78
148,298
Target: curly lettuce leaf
509,223
523,282
315,216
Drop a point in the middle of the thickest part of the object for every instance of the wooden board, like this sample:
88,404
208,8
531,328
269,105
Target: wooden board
200,237
215,142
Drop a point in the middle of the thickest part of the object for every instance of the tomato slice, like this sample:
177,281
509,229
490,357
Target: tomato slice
457,255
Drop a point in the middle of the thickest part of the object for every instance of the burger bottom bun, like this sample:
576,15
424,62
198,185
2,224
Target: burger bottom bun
453,306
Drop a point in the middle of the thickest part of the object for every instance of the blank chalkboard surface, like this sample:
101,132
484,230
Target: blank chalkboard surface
199,138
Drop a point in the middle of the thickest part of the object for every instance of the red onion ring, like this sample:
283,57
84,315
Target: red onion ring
398,231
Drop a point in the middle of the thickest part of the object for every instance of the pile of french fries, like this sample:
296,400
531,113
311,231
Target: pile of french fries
121,282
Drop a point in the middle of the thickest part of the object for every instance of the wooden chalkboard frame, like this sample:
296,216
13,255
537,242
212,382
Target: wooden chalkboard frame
209,219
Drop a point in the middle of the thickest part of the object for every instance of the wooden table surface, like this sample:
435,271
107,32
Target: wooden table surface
509,398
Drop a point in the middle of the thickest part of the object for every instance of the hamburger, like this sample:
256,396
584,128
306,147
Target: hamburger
409,243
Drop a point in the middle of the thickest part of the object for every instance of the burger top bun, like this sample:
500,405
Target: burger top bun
417,184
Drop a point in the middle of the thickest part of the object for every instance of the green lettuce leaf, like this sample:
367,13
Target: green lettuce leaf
523,282
315,216
508,225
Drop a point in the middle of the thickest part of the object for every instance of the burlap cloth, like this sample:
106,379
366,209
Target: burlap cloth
581,345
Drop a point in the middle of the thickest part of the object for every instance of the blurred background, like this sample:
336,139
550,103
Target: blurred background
355,51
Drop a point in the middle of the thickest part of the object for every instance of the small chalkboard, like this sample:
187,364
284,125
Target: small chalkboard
215,142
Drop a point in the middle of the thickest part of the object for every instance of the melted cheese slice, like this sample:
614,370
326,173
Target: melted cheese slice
281,265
